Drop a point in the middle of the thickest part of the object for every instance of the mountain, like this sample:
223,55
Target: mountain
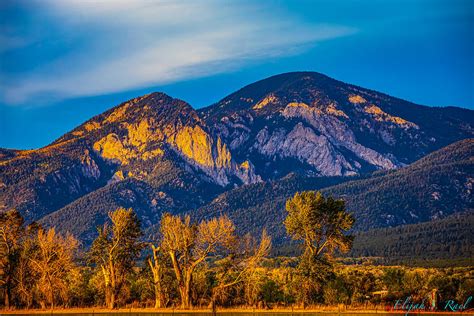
434,187
309,123
243,155
153,139
437,185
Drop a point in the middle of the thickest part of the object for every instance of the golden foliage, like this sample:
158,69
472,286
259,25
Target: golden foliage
331,109
53,262
298,104
152,153
90,126
357,99
117,114
267,100
189,245
245,165
139,134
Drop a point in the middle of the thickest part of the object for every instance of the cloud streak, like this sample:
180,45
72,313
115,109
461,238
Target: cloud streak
127,45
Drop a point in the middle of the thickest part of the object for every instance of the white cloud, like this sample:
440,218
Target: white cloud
144,43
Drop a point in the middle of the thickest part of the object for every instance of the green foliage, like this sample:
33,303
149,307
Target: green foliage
320,222
336,292
118,241
433,187
449,239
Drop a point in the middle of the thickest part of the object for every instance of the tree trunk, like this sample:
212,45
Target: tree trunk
157,286
157,295
112,300
187,289
109,301
156,270
6,294
184,299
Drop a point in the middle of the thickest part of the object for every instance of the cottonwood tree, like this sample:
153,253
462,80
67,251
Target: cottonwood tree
25,277
321,223
189,245
115,251
156,263
11,235
52,261
241,264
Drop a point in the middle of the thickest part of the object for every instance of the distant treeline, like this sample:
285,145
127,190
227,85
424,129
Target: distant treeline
449,238
438,243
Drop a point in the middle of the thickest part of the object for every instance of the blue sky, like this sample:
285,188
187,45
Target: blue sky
62,62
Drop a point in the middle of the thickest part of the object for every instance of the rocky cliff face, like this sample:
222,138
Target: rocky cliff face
147,127
325,127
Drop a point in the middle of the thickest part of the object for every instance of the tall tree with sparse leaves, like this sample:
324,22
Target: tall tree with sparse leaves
115,251
52,262
189,245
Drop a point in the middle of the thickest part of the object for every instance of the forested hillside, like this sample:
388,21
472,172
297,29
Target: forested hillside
450,238
433,187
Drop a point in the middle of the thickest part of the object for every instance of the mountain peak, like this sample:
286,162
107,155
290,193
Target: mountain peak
157,107
291,86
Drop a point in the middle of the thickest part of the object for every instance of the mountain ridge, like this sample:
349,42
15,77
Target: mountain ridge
156,153
436,186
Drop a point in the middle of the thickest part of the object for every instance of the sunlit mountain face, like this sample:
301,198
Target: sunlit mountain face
156,153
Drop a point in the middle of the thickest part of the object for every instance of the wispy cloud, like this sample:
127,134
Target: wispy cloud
127,45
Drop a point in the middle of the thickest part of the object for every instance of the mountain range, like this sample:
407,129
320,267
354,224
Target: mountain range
393,161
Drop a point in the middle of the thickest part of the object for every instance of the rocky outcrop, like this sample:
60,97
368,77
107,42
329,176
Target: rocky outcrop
133,137
329,127
339,134
212,156
304,144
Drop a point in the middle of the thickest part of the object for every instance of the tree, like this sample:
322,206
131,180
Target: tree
115,250
320,222
156,266
189,245
241,266
11,233
53,261
25,276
